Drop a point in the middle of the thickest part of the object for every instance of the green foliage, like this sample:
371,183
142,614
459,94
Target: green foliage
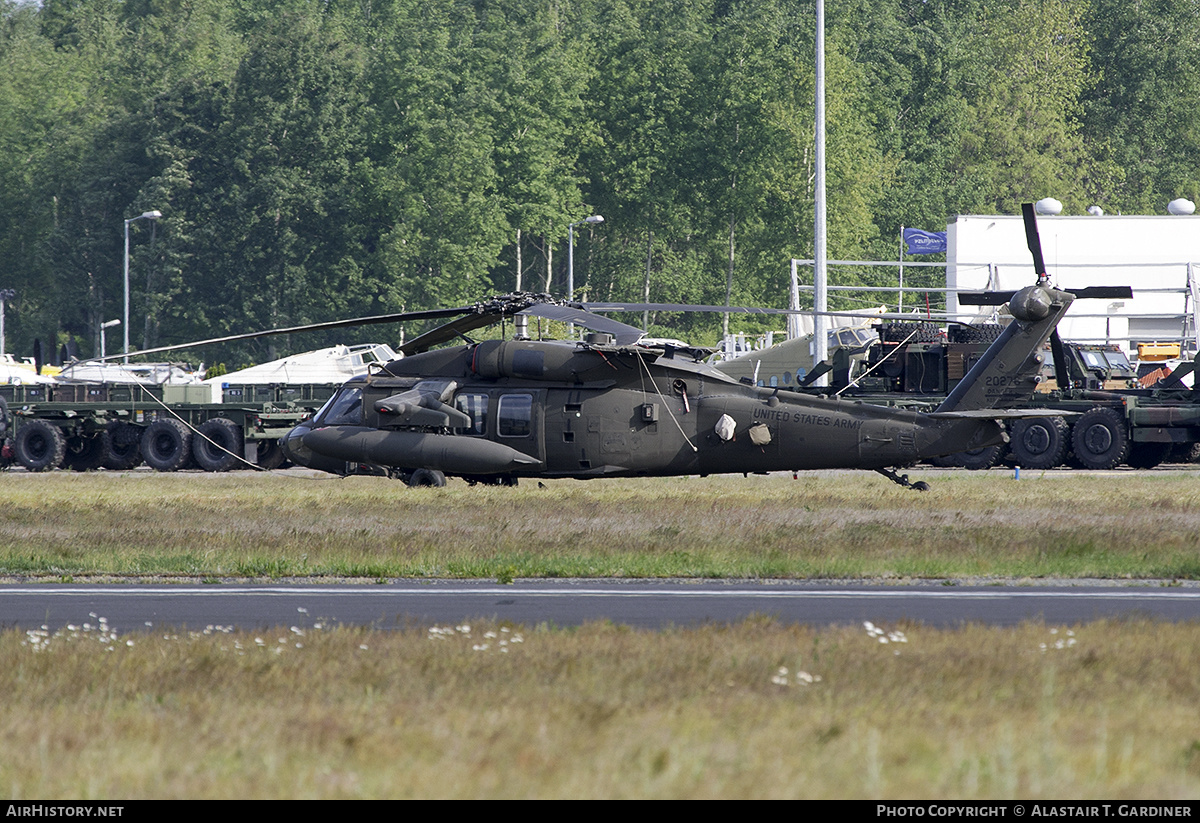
315,159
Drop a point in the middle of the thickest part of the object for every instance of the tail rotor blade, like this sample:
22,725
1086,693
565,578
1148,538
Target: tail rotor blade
1033,239
1059,352
1103,292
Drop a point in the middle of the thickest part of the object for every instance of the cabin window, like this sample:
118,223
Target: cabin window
514,416
474,406
346,409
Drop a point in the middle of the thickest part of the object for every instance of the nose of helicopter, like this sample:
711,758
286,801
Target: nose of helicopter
292,445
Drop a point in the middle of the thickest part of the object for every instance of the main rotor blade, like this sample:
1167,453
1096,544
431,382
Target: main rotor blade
431,314
636,307
1033,239
494,307
623,334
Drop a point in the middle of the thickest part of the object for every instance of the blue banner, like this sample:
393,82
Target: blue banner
925,242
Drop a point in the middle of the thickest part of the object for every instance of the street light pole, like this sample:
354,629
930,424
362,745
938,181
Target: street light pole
595,218
147,215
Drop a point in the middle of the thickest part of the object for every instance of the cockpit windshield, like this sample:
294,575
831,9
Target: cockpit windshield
344,409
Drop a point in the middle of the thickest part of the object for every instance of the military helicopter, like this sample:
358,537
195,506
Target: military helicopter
497,410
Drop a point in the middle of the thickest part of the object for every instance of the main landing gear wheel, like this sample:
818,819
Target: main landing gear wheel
1039,442
426,477
1100,439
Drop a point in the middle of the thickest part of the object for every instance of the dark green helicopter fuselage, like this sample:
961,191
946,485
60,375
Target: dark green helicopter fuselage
521,408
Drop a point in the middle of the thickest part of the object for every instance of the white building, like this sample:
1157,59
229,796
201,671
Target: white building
1158,257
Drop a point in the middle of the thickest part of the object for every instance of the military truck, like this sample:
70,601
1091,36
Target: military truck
1109,418
117,426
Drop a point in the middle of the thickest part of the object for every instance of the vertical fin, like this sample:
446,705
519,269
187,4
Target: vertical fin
1007,374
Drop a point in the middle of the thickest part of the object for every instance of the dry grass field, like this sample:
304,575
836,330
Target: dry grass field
754,710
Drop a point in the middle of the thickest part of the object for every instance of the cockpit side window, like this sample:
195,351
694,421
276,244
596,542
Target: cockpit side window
476,407
346,408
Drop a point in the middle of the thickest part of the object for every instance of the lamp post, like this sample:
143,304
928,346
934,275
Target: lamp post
595,218
5,294
147,215
104,327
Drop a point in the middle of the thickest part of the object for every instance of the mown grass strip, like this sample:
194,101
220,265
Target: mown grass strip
823,525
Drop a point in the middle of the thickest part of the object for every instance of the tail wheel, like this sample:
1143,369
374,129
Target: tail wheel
1039,442
167,445
40,446
1100,439
219,445
120,445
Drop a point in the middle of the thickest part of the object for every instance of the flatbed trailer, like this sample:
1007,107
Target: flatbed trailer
89,426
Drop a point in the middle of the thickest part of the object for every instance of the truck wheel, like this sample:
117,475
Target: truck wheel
1039,442
120,446
167,445
1185,453
84,453
3,419
270,456
1100,439
1147,455
40,446
227,436
427,477
978,459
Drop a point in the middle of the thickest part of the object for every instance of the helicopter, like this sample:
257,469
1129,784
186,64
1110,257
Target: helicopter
608,405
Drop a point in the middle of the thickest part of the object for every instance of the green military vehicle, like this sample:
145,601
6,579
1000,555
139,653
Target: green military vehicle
117,426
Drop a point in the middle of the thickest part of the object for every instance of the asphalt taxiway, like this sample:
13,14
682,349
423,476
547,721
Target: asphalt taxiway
643,604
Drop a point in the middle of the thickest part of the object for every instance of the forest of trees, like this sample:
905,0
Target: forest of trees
319,159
